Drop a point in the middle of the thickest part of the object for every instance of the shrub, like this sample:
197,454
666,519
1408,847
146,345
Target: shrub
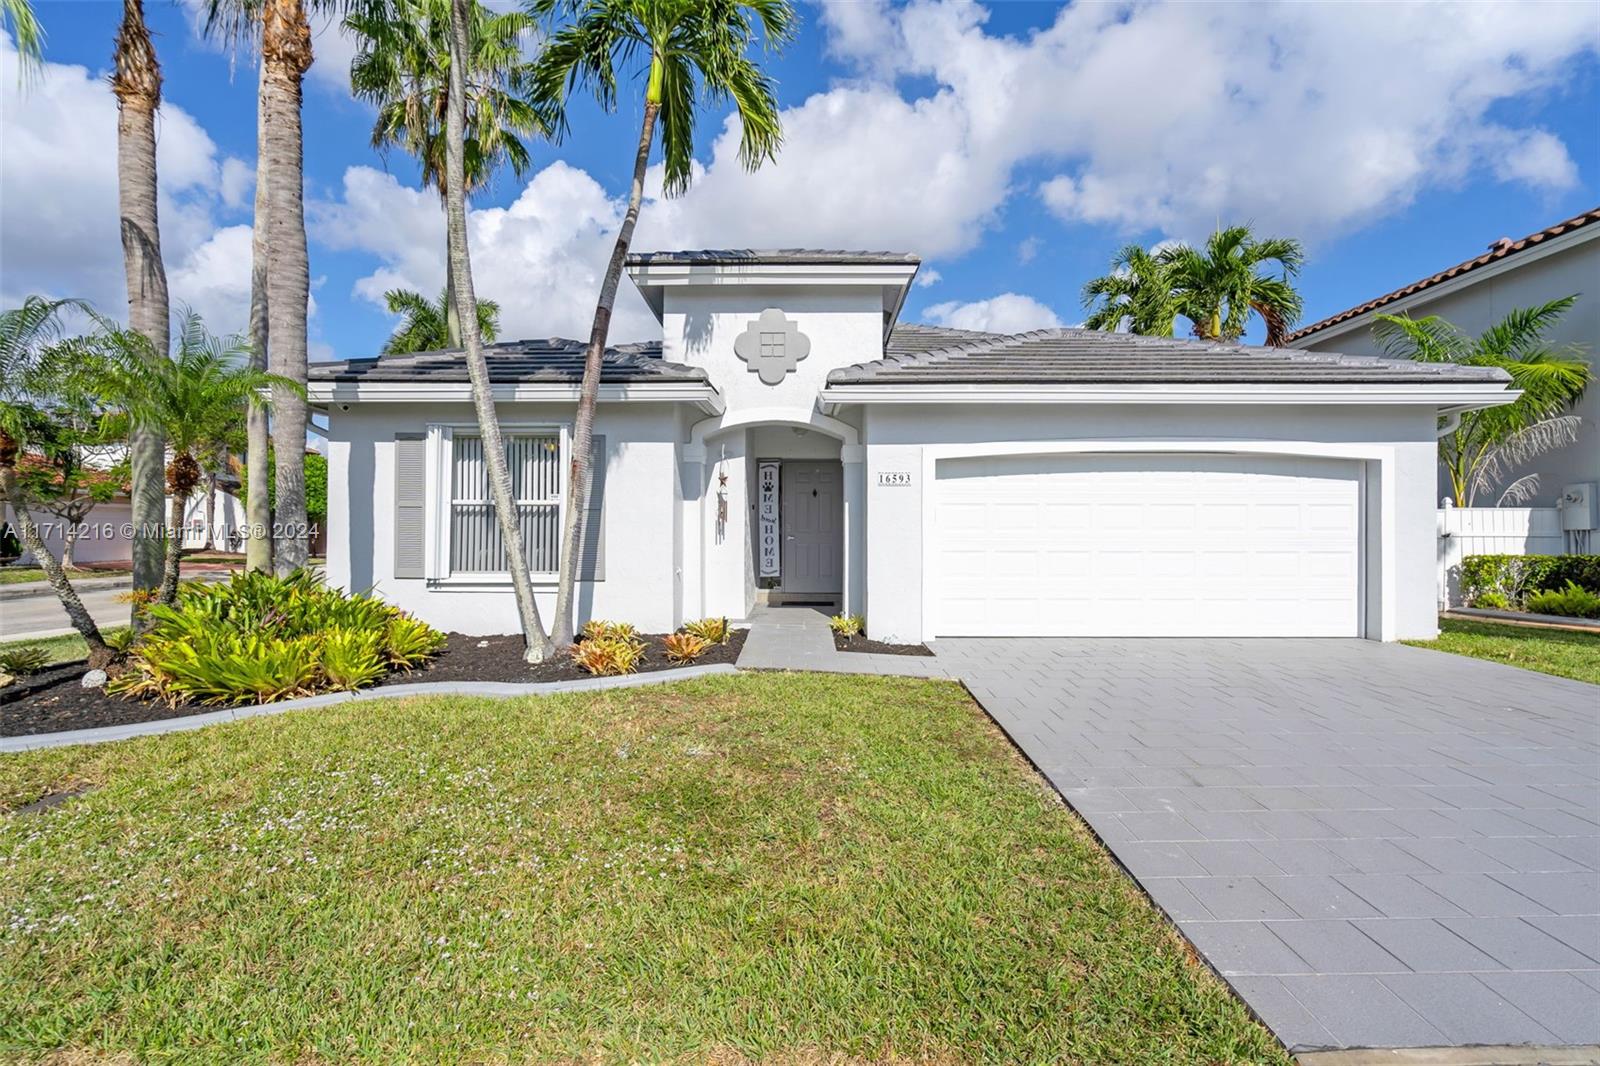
1493,601
605,656
1571,602
26,659
847,625
258,638
1514,576
714,630
598,629
686,647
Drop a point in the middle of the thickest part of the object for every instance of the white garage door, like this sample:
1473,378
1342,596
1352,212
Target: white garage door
1146,545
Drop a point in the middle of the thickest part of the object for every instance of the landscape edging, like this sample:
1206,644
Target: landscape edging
497,689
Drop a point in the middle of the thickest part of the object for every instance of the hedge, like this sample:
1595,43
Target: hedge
1516,576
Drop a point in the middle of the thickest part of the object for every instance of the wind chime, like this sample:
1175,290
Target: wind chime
722,495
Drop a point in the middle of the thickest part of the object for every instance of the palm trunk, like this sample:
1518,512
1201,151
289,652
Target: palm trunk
99,653
572,532
285,56
460,268
70,533
452,314
211,512
169,572
137,85
258,509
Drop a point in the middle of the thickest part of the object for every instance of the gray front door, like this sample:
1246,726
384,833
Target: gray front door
813,528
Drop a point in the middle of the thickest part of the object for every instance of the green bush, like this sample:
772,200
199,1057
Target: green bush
1571,602
1493,601
715,630
847,625
258,638
1516,576
26,659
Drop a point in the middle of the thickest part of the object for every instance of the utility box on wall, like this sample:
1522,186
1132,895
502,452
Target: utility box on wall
1578,508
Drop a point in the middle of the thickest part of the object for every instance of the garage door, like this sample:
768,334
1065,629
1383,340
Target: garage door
1146,545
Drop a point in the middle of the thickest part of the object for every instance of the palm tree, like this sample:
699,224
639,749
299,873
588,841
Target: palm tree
1218,288
691,48
136,81
425,327
401,67
18,17
459,266
1487,446
1138,293
197,396
34,371
258,434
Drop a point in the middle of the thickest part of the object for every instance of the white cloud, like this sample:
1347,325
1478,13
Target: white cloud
1028,250
59,220
928,276
1010,312
238,186
1311,119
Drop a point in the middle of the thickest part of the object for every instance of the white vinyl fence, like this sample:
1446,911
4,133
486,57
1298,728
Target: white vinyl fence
1465,531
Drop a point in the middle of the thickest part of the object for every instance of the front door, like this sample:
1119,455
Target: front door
813,528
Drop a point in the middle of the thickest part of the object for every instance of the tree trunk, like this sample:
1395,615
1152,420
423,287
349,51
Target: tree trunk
70,532
452,314
258,509
136,81
572,532
285,57
99,653
460,269
169,573
211,512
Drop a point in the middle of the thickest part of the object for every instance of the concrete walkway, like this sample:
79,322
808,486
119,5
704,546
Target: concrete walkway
1375,845
798,638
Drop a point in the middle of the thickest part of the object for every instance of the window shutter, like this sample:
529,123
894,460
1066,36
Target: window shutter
592,562
410,504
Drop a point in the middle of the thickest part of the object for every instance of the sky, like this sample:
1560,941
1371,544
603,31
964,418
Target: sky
1013,146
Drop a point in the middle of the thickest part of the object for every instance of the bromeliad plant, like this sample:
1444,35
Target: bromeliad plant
847,625
258,638
712,630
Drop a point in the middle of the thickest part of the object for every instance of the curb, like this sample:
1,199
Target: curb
497,689
29,589
1552,621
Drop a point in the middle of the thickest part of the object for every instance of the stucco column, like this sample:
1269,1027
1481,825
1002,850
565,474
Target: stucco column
691,563
853,457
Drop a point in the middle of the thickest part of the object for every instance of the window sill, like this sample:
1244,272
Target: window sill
478,582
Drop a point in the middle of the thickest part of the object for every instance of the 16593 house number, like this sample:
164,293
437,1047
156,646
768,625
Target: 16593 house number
894,477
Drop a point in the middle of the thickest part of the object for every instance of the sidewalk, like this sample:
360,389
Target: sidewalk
91,580
798,638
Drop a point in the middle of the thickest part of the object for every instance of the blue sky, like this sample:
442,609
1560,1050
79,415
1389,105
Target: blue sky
1015,146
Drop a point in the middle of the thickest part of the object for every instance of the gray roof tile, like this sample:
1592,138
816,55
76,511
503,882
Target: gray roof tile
919,355
556,360
784,256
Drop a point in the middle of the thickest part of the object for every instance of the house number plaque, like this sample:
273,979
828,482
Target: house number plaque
894,477
769,545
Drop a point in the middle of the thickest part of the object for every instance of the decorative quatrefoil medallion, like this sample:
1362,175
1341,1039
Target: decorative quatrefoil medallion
772,345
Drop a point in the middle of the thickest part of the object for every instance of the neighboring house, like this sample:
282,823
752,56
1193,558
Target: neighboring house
1475,294
788,440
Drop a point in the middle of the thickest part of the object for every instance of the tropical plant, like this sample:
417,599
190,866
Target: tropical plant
1492,601
136,82
426,325
599,629
847,625
1570,601
402,67
716,630
607,656
257,638
1486,447
1137,293
197,396
23,659
38,366
1220,286
18,17
685,647
690,50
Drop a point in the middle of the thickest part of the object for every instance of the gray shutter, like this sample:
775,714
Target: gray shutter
410,504
592,564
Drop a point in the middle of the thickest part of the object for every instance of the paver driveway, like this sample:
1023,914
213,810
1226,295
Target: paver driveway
1377,846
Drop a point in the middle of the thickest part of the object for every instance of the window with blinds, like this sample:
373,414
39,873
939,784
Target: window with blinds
534,462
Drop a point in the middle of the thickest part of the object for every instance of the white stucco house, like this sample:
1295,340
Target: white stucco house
788,439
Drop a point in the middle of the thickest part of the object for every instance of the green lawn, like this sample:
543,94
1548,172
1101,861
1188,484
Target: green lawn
62,649
16,575
765,867
1565,653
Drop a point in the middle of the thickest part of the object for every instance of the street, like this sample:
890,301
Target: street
43,616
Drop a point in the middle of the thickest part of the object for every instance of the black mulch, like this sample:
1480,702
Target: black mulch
860,642
53,701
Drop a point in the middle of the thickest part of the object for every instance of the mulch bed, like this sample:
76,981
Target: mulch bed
861,642
53,701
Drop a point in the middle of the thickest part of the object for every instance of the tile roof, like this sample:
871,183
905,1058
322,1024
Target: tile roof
1091,357
780,256
556,359
1500,249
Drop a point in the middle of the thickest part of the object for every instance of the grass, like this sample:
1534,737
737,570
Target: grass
63,649
16,575
1563,652
789,868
